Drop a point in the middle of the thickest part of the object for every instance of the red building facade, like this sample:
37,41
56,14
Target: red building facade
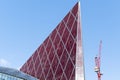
60,56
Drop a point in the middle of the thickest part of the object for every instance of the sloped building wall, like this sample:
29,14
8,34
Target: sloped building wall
59,57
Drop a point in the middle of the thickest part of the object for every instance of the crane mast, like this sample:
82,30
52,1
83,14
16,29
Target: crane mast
98,62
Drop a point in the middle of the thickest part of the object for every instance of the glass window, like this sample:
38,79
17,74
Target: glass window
8,77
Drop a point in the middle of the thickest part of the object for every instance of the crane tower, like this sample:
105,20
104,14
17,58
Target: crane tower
98,62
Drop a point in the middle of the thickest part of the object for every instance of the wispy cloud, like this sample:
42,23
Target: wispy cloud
4,62
19,68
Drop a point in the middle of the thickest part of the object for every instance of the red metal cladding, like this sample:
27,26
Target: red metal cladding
57,58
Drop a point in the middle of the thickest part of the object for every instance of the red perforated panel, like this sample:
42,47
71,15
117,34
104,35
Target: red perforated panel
55,59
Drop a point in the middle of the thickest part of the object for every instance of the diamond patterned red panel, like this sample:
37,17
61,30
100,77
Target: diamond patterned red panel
57,58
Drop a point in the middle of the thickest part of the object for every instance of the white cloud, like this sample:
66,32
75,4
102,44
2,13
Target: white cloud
4,63
19,68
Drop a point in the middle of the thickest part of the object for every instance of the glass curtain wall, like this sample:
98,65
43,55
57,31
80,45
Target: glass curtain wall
9,77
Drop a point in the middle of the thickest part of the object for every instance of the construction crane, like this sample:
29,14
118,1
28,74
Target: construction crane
97,62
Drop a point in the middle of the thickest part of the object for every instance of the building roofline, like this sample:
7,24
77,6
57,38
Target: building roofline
16,73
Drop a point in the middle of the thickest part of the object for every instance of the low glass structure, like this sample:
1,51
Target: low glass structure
8,77
12,74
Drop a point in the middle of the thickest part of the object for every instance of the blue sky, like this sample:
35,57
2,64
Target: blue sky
24,25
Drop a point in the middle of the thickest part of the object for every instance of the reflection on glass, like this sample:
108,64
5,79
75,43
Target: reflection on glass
8,77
